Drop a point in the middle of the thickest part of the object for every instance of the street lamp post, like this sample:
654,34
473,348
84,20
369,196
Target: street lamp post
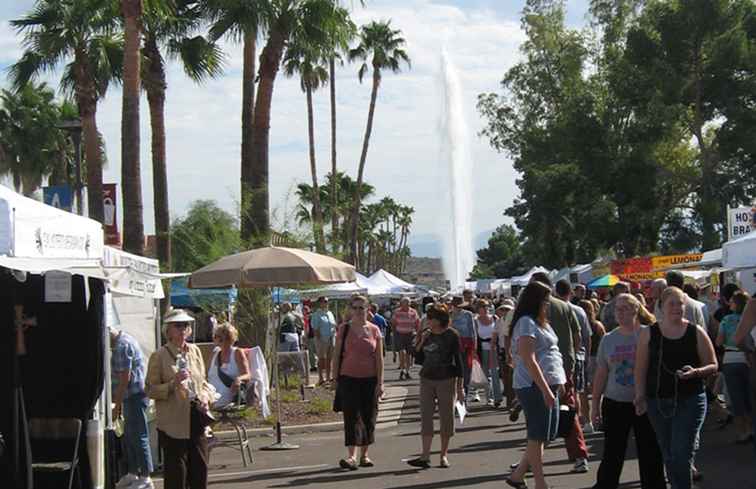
73,128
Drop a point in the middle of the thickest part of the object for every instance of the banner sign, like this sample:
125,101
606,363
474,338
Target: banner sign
652,267
112,236
663,262
740,221
59,196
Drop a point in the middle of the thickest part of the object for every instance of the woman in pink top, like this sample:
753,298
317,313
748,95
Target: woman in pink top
359,369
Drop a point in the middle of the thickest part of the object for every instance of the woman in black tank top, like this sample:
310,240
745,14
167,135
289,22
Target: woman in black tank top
672,359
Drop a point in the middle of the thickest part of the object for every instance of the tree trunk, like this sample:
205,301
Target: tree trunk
155,85
247,123
334,180
708,208
363,157
317,214
131,179
256,221
86,102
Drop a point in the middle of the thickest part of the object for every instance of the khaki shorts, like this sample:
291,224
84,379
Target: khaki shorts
324,347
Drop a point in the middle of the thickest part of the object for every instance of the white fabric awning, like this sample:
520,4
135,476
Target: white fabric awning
740,253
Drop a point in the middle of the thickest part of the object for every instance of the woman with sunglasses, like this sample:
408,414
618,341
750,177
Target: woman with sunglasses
176,381
358,367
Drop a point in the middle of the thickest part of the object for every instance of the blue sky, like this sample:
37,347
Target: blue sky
404,161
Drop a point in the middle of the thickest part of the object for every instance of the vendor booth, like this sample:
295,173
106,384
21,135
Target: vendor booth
64,287
53,351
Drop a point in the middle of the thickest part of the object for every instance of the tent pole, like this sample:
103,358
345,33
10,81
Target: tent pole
279,444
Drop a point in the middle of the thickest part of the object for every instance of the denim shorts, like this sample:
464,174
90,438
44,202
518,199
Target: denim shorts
542,423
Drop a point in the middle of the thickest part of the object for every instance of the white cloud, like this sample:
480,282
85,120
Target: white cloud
203,122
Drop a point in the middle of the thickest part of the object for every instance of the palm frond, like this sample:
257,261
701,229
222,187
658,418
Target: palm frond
200,58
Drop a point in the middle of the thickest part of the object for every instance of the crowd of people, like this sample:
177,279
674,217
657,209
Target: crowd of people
651,361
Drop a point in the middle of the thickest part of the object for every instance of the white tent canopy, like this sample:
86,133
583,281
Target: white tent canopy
31,229
523,280
341,291
740,253
384,283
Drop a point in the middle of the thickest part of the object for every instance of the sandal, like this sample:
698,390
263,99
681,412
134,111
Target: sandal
444,463
366,462
348,463
516,485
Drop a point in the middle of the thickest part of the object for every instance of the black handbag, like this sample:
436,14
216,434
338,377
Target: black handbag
338,396
566,421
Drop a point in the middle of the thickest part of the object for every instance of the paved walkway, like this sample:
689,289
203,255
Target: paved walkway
481,453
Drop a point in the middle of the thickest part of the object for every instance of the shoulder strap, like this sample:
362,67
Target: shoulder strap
343,342
223,376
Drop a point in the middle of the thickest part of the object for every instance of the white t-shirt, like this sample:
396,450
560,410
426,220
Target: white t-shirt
485,332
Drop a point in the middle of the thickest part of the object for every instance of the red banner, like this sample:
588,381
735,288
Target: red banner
112,236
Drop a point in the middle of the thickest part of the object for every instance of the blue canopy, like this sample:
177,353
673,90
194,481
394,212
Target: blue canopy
182,296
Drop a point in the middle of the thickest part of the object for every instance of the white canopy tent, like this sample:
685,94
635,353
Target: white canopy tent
342,290
523,280
384,283
740,253
33,230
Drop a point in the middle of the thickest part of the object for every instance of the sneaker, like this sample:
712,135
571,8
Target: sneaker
444,464
143,483
588,428
581,466
126,481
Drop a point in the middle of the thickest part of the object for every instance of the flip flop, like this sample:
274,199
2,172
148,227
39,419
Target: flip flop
349,464
516,485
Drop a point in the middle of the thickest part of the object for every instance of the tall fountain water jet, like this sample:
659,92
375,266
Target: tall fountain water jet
458,256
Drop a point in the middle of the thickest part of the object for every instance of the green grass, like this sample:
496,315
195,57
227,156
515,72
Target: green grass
319,406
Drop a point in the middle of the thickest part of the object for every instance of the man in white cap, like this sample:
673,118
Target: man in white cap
504,314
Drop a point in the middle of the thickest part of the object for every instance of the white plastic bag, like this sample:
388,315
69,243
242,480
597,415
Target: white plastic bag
478,379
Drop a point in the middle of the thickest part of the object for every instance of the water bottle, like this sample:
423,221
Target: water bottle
182,366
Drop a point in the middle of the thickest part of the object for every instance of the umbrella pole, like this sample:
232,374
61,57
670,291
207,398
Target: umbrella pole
279,444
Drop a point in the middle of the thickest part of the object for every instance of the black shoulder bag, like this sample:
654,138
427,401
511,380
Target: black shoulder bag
337,397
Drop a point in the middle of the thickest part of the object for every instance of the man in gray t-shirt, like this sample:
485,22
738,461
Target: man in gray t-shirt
616,353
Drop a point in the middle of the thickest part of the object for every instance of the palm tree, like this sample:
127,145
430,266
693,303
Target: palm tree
32,148
79,32
284,19
382,47
306,60
171,31
242,20
131,172
340,33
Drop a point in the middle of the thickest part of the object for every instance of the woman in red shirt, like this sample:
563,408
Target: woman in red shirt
359,370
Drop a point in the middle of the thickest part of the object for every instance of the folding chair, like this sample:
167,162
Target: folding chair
54,432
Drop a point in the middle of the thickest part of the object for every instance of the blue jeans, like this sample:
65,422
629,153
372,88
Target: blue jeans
677,431
738,387
136,435
494,383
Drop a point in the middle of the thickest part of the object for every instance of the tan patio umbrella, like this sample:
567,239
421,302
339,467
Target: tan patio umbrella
272,267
